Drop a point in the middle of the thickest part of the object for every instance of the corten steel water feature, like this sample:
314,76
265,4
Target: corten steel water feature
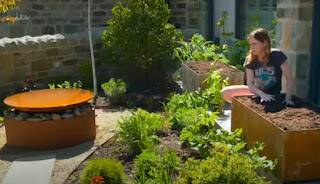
50,134
298,152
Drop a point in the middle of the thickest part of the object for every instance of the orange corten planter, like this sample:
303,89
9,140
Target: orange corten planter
298,151
53,133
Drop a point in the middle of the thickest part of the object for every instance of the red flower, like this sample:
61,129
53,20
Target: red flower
97,180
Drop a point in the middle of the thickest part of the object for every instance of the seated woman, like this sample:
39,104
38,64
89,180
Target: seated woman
264,70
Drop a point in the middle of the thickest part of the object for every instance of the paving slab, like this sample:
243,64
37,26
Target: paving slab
30,170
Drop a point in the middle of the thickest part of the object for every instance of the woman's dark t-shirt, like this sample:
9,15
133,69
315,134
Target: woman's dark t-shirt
268,78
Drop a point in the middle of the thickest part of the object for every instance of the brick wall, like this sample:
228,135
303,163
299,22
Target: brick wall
294,31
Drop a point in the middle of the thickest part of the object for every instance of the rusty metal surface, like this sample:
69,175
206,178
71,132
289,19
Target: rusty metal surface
48,100
302,153
298,152
255,128
50,134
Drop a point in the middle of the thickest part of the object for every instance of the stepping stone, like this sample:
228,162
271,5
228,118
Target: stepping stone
30,170
224,120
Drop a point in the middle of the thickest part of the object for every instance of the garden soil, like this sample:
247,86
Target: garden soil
69,158
302,116
203,67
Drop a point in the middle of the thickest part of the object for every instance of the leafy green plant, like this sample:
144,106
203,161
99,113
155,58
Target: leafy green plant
115,90
1,119
139,130
185,101
221,23
184,117
141,32
215,84
85,71
223,168
153,168
110,170
66,85
200,50
203,135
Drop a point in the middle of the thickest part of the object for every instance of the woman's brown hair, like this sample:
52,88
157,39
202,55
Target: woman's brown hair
261,35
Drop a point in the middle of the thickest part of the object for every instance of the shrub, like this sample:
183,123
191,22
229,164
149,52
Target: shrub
229,169
153,168
141,32
85,71
139,130
115,90
110,170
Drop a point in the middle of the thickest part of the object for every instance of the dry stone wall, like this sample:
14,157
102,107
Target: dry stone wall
42,56
294,31
39,17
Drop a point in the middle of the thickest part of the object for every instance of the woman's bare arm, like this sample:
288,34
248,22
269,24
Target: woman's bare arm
254,89
289,81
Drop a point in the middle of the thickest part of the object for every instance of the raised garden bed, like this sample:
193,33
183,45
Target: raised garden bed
193,74
291,135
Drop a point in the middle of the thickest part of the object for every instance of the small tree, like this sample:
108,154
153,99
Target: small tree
6,5
141,32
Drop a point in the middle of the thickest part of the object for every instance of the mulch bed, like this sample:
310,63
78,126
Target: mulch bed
203,67
114,149
302,116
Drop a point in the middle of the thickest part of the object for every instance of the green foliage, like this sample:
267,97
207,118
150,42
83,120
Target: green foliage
85,71
115,90
203,135
139,130
111,171
209,98
154,169
66,85
213,93
272,32
223,168
184,117
1,119
141,32
200,50
221,23
186,101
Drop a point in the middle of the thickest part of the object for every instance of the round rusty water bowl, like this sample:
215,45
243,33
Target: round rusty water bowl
50,134
48,100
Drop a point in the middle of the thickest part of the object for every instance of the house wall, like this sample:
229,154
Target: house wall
294,31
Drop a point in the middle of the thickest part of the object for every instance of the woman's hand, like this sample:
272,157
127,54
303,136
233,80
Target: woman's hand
266,97
288,102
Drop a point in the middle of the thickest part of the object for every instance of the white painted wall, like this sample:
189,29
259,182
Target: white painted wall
218,7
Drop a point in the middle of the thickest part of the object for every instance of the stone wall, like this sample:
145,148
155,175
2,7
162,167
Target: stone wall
44,56
59,16
185,15
294,31
70,16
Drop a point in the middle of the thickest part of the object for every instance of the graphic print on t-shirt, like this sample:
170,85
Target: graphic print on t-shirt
265,77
